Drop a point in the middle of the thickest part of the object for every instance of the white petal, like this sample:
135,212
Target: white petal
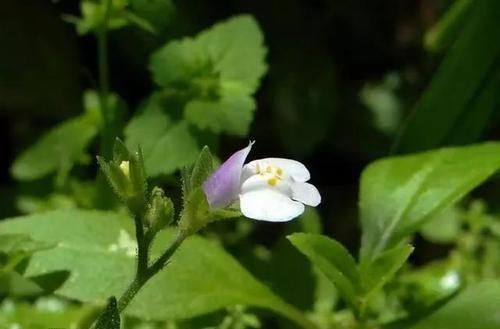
269,205
291,168
259,182
305,193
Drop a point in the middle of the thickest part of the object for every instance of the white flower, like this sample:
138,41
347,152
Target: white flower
271,189
275,190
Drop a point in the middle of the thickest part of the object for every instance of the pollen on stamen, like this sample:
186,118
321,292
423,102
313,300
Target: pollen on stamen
272,181
279,171
269,169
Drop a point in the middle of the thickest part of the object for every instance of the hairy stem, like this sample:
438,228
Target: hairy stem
143,276
142,247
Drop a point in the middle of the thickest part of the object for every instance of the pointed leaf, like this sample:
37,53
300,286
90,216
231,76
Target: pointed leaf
377,274
399,194
459,82
333,260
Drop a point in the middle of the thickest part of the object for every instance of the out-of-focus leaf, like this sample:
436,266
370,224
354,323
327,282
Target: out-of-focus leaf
145,128
176,148
458,83
21,243
56,151
399,194
158,13
231,113
98,249
166,145
63,146
209,72
383,103
445,31
444,226
93,13
51,281
333,260
310,221
430,285
14,284
479,116
476,307
47,312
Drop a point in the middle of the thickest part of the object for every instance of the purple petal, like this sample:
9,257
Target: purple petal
223,186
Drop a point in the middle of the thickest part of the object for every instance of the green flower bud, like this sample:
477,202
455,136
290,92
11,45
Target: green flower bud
126,175
160,211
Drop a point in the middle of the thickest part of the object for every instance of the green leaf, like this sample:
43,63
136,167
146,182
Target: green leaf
14,284
51,281
444,226
92,15
158,13
166,146
99,250
382,269
398,195
110,317
445,31
479,115
178,147
48,312
21,243
232,113
476,307
147,127
333,260
56,151
209,72
202,168
459,81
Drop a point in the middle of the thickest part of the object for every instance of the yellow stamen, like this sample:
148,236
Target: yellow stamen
269,169
279,171
272,181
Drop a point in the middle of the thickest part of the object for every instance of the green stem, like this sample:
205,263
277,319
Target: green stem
102,59
142,247
143,276
294,314
130,293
